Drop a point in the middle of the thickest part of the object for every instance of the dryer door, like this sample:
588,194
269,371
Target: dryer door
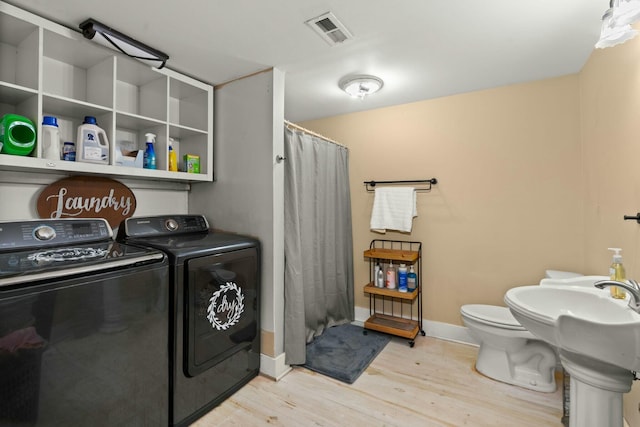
221,308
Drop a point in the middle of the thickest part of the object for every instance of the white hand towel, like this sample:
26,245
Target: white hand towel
393,208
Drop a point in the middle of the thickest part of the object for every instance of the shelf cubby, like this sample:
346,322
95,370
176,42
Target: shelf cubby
19,52
185,105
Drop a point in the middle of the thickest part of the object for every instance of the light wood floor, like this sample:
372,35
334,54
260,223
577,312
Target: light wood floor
432,384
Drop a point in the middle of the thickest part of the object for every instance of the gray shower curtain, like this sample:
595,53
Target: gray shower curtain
318,242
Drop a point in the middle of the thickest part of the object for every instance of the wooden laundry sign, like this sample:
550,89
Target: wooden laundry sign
87,197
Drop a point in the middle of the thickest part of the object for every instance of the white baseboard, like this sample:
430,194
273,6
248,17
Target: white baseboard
445,331
273,367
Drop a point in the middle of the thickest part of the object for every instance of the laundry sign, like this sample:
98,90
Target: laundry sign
87,197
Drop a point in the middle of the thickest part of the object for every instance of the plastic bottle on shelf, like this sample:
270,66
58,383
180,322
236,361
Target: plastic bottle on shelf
50,138
412,279
616,272
17,135
69,151
379,276
149,160
391,276
92,145
402,278
173,160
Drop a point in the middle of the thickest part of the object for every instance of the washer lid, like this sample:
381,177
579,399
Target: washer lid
37,265
492,314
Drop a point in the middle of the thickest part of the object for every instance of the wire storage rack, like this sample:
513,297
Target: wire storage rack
391,311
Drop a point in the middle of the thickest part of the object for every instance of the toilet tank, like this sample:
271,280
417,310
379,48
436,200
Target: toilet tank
573,279
557,274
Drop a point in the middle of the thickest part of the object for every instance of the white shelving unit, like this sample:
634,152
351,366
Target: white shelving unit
50,70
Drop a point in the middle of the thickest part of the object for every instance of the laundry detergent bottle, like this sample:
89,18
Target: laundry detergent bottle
149,160
50,138
616,272
92,145
17,135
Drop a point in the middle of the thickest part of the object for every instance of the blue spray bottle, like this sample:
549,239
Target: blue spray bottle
149,160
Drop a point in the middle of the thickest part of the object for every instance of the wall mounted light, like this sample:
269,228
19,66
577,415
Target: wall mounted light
616,23
106,36
360,86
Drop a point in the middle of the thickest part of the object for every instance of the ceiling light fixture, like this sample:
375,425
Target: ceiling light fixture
361,85
616,23
106,36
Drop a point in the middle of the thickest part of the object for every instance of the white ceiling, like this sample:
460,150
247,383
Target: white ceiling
422,49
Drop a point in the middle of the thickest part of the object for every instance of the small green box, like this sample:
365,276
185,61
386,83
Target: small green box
191,163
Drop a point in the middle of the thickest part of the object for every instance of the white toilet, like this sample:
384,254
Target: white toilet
508,352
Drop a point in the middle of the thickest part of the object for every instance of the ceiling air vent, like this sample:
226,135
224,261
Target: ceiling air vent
329,28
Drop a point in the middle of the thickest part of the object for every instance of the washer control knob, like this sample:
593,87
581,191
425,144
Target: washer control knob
44,233
171,224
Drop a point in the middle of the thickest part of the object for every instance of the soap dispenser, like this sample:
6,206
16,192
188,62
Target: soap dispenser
616,272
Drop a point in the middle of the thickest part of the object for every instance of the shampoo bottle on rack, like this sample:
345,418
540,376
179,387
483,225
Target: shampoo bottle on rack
379,277
402,278
412,280
391,276
149,159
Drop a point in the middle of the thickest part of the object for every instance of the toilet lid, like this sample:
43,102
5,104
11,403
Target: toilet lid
492,314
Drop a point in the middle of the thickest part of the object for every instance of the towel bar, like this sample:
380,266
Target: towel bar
370,185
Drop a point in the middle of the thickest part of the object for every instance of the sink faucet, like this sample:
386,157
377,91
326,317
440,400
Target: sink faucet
631,287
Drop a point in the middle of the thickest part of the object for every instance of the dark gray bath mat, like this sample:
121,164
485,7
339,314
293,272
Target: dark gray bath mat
344,352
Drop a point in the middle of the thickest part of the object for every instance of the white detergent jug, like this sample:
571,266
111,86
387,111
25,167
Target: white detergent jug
92,144
50,138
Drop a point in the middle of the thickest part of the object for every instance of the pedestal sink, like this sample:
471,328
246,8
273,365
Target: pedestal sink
598,339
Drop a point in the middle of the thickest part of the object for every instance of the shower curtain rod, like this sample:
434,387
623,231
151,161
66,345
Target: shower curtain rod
310,132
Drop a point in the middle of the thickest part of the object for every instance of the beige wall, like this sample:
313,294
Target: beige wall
509,201
610,113
610,93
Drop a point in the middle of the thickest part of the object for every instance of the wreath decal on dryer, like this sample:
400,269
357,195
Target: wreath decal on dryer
220,304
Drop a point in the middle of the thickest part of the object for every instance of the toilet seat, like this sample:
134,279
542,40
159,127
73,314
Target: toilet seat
492,315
